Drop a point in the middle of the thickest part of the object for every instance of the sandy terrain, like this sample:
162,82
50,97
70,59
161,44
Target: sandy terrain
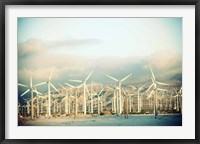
133,120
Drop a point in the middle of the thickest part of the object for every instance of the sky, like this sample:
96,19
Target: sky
74,47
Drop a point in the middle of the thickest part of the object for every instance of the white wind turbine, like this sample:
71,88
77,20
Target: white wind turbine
49,84
98,101
130,95
178,97
37,102
127,100
115,99
32,89
138,96
66,99
155,89
119,83
84,90
91,97
76,96
27,105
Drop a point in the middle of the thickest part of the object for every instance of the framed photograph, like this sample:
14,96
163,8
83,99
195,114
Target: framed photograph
100,72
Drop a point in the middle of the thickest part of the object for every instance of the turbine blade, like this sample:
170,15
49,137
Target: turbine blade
109,87
37,92
87,90
161,83
150,95
112,78
70,85
25,92
100,92
62,86
124,91
125,78
133,87
128,93
149,88
152,74
94,93
79,81
54,87
88,76
80,85
152,80
161,89
31,83
19,84
141,87
175,95
40,84
180,90
51,74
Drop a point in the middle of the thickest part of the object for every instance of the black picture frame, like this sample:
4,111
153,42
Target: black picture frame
3,4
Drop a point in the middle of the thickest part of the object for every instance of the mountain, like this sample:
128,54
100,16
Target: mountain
177,77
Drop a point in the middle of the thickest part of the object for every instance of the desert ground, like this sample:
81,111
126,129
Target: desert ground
111,120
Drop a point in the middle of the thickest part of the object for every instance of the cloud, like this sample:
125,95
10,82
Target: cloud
164,62
30,47
73,66
57,44
37,46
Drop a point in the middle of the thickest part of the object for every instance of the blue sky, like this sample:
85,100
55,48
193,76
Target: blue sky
115,46
130,36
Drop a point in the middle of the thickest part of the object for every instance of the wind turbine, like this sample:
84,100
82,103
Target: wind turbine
127,102
30,89
91,97
27,105
37,98
84,90
138,96
76,96
115,99
99,100
49,84
178,97
119,83
130,95
155,89
66,99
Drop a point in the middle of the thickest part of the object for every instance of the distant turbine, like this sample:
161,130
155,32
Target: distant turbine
99,100
138,96
115,99
119,83
49,84
76,96
84,90
31,89
178,97
155,89
27,105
